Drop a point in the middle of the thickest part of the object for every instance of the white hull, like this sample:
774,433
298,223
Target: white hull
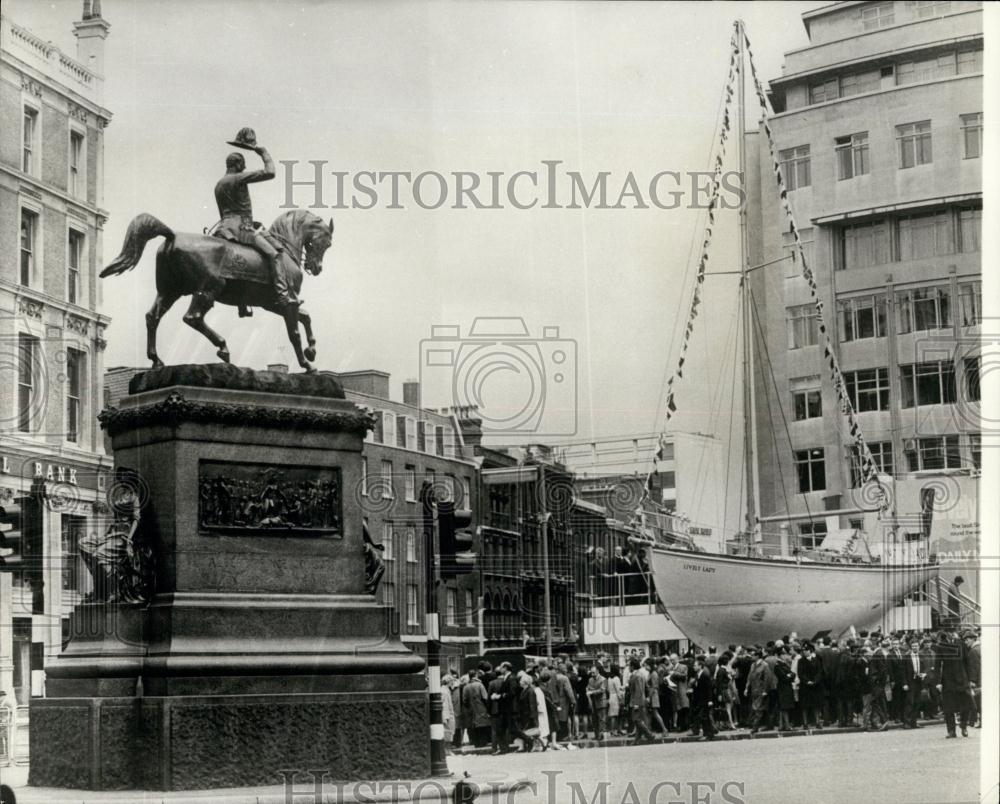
722,600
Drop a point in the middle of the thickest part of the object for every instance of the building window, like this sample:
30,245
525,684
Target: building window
803,326
788,245
932,8
795,167
811,535
387,490
882,455
972,390
74,391
422,436
880,15
823,91
811,468
29,158
868,389
74,528
852,155
970,229
923,309
400,431
912,72
470,609
808,405
857,83
411,546
364,477
410,481
75,247
439,440
940,452
411,432
388,428
862,317
27,370
862,245
412,615
29,246
976,450
972,134
76,163
914,144
927,235
451,607
970,295
970,61
928,383
387,541
389,594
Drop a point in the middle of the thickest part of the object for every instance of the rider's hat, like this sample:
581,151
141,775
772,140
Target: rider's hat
245,138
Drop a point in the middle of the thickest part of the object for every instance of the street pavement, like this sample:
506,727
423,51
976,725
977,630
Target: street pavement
908,767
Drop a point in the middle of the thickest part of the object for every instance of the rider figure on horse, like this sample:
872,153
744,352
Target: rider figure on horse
236,213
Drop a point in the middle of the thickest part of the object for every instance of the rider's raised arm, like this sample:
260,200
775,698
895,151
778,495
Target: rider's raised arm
250,176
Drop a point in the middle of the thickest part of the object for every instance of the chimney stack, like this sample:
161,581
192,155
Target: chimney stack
411,393
90,33
278,368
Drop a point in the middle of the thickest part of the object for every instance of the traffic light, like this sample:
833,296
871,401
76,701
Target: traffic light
455,543
21,544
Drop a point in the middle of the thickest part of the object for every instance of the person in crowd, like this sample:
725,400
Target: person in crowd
760,681
810,673
913,685
771,657
666,693
742,665
564,700
597,698
501,708
952,672
725,690
653,695
703,699
542,707
847,685
867,680
616,695
828,654
785,690
679,678
581,702
928,664
896,695
448,710
881,679
972,646
637,702
622,570
526,714
475,709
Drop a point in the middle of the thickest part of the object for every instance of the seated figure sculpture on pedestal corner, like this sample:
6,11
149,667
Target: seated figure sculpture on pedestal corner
374,564
119,561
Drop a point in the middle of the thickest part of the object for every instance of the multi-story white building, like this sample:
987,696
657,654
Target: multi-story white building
51,339
879,129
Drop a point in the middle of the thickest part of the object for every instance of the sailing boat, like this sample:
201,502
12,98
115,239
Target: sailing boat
742,596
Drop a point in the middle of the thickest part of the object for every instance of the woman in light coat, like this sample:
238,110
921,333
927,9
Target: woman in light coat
543,718
615,695
447,712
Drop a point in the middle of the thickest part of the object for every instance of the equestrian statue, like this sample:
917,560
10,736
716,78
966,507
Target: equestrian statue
238,262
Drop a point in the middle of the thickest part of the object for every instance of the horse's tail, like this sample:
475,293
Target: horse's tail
141,230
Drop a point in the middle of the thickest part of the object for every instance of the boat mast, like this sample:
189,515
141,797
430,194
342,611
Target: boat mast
749,397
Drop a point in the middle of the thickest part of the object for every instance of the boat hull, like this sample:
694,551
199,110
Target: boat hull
722,600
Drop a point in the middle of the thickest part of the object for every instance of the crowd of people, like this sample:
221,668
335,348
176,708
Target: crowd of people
869,681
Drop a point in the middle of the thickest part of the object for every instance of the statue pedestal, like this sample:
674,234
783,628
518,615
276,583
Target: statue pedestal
259,651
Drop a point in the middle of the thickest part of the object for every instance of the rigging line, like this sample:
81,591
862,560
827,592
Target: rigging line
784,421
695,231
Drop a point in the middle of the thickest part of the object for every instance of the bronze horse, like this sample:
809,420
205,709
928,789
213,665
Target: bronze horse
212,269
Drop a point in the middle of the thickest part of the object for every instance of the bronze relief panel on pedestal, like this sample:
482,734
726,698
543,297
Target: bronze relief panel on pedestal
261,498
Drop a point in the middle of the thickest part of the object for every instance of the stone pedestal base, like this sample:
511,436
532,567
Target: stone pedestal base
199,742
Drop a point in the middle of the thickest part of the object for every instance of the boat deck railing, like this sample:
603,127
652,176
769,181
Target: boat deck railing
618,591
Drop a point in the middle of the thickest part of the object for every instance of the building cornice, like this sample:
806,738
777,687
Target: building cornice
36,184
902,206
44,300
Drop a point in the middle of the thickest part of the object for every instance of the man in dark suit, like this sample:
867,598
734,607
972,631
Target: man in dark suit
913,684
742,665
501,709
828,656
895,657
703,699
975,675
846,691
952,671
879,678
638,702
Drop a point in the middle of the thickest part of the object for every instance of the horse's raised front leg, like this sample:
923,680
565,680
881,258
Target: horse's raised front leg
201,303
156,312
290,312
306,320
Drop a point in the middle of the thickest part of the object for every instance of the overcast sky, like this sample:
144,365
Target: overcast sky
440,87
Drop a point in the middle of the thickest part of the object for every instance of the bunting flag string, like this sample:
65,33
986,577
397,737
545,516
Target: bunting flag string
678,373
869,468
